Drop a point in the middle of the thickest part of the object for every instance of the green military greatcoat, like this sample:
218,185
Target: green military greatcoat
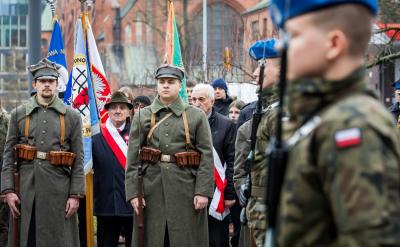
168,189
42,185
342,180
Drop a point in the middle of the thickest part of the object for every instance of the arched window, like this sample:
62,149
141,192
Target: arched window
225,29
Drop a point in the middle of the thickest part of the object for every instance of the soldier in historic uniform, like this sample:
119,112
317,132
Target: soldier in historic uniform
341,186
4,211
262,51
174,141
48,138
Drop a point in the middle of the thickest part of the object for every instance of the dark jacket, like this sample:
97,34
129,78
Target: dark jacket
394,109
223,133
246,113
222,105
109,179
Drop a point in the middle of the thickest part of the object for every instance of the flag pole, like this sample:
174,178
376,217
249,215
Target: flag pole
205,40
89,176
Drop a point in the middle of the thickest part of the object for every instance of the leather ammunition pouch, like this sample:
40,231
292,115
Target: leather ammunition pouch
25,151
188,159
62,158
149,154
57,158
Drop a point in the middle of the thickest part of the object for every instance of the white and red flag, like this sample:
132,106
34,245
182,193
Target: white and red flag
217,206
100,83
348,137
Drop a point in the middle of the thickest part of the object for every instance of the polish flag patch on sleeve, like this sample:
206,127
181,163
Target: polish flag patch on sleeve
348,137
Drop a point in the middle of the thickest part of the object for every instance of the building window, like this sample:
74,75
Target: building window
255,30
13,50
139,29
224,29
265,27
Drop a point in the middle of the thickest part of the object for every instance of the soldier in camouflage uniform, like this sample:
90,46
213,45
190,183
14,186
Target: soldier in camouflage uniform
255,210
4,211
256,213
341,186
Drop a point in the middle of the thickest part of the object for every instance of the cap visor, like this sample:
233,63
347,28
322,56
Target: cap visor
168,76
47,77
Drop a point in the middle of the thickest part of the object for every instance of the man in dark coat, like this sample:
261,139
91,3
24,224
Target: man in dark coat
394,108
222,100
223,133
109,159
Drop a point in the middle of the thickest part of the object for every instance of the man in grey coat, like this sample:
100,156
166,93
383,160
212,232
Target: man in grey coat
48,137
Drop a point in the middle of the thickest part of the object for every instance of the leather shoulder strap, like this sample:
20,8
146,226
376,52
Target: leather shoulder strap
62,130
26,127
156,125
186,126
152,120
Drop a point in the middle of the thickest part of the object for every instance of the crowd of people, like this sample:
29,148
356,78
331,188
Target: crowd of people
174,173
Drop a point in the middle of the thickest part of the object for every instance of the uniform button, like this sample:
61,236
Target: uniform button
40,162
166,124
166,145
44,110
44,132
166,134
44,121
41,142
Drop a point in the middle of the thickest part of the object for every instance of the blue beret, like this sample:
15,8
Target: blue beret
396,84
263,49
281,13
220,83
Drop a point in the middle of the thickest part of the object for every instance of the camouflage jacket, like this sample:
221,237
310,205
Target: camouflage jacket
342,179
3,134
264,132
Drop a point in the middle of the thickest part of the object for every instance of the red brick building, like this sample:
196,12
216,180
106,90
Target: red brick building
130,36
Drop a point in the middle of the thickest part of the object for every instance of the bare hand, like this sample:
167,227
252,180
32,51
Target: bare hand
200,202
229,203
135,204
71,207
12,201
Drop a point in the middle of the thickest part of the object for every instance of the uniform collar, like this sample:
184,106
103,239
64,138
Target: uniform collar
270,95
177,107
56,104
307,95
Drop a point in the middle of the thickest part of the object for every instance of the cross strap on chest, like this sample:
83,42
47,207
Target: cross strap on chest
182,159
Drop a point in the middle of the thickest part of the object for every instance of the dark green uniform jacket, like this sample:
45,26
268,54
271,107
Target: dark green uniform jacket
168,189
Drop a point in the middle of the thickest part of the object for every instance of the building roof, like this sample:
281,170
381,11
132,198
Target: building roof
263,4
47,19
